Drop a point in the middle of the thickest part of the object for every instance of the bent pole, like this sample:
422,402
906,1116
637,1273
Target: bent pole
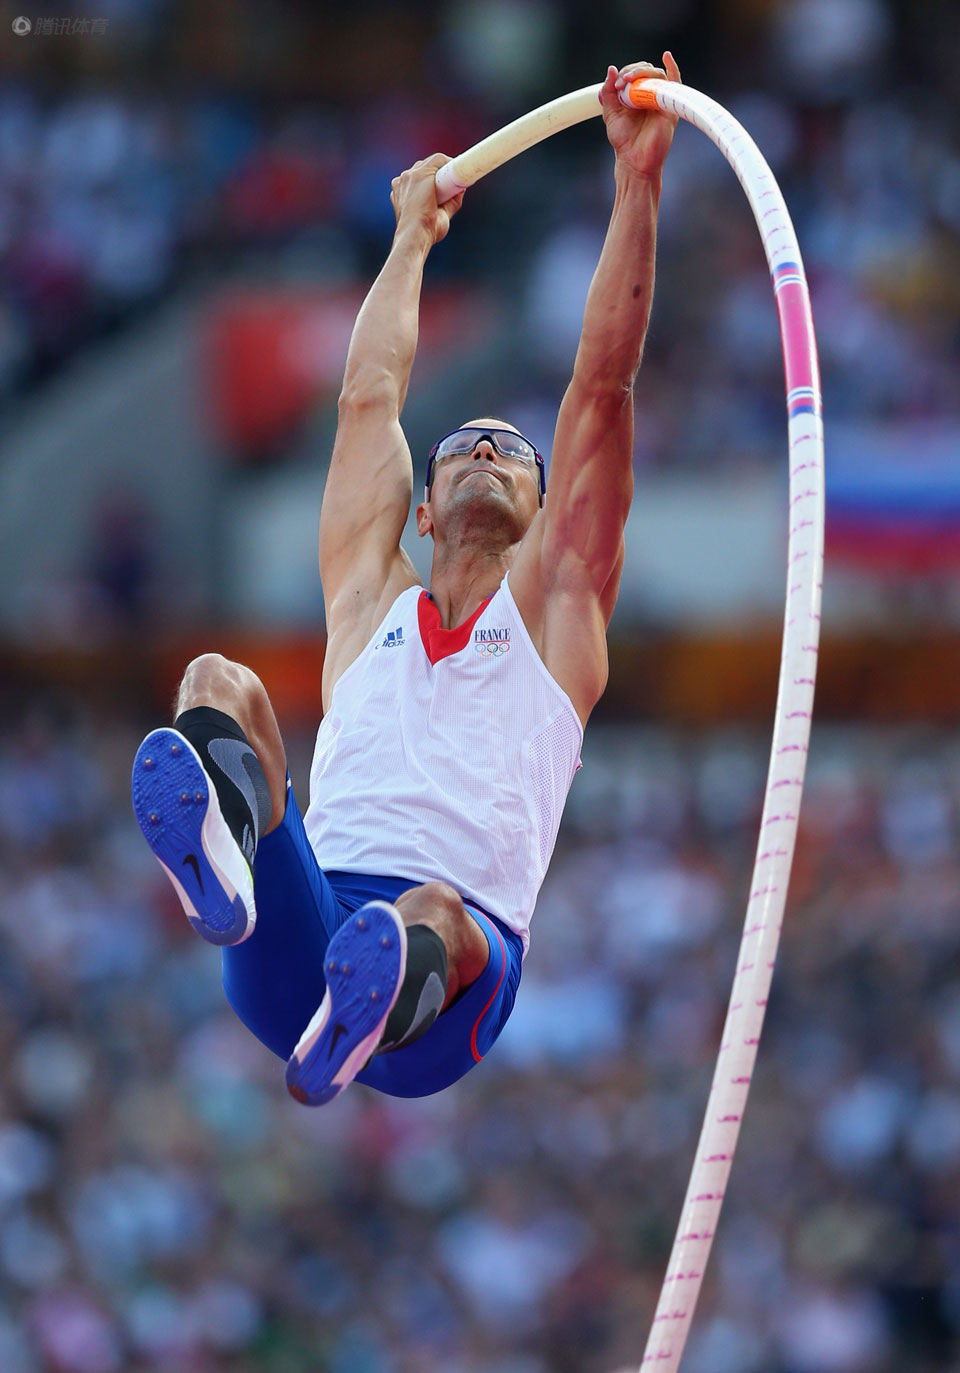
798,659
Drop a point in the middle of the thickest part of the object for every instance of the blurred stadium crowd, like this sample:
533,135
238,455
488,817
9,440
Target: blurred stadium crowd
164,1205
114,192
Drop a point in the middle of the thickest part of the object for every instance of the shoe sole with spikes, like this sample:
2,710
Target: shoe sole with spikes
179,814
365,964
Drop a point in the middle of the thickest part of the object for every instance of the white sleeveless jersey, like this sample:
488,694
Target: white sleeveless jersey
446,755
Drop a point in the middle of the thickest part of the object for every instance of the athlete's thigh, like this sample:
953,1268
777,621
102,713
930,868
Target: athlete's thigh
274,980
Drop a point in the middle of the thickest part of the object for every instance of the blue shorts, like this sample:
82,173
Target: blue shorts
274,980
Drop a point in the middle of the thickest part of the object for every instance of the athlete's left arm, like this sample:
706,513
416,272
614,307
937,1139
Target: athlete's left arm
591,470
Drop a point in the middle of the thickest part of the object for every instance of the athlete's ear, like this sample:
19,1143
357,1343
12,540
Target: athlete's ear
424,519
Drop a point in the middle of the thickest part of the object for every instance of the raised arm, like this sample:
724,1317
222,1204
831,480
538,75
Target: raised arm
569,572
370,481
591,472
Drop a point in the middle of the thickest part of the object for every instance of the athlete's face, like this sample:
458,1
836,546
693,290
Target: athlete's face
482,485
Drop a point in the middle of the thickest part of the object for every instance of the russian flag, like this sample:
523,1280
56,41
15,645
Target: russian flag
893,496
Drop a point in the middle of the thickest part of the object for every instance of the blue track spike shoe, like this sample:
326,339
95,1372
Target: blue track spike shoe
365,965
177,809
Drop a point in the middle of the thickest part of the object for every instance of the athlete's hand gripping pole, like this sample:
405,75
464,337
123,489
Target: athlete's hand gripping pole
491,152
778,825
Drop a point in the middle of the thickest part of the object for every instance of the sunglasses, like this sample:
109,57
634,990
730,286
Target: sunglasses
506,443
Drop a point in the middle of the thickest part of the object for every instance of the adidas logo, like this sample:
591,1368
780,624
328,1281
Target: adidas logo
393,639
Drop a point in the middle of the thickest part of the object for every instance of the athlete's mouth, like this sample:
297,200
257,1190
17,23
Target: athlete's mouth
490,471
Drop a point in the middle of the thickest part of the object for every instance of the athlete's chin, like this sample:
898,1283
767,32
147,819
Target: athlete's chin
481,507
484,495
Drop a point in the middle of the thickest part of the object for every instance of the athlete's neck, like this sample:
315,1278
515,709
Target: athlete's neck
460,582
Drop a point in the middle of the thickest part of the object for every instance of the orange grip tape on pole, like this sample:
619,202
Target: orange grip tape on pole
639,95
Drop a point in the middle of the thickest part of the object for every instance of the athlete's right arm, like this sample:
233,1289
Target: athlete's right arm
369,484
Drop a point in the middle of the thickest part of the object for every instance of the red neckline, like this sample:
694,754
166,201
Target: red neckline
439,642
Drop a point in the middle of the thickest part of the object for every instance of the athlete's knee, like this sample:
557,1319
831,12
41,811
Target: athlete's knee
444,899
213,680
436,904
440,906
211,675
235,690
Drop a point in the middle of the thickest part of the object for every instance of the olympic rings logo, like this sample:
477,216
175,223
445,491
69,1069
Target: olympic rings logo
492,648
